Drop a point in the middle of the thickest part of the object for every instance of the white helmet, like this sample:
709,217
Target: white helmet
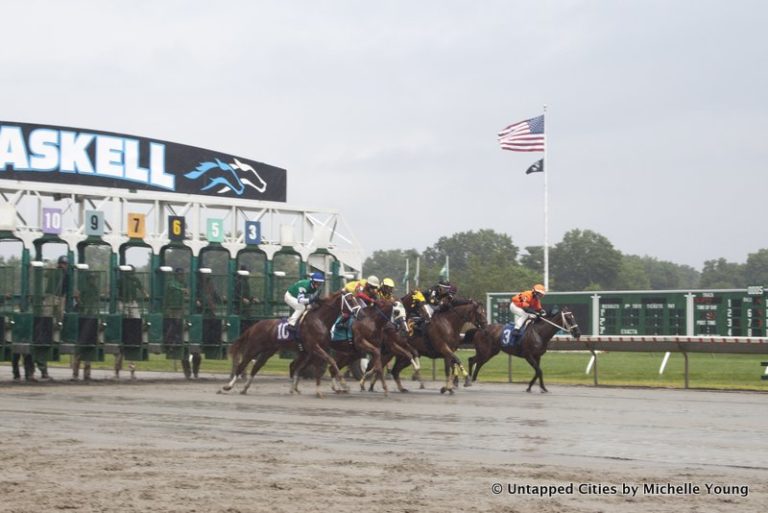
373,281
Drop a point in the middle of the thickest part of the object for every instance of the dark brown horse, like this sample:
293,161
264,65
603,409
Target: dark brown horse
487,343
441,337
260,342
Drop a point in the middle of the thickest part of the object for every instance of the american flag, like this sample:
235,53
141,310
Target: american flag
526,135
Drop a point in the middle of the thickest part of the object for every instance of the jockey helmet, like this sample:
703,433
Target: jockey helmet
318,277
387,282
444,284
373,281
539,289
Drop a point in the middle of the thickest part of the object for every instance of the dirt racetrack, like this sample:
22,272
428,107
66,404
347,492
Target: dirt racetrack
170,445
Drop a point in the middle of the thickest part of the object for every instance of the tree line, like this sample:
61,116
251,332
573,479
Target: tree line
487,261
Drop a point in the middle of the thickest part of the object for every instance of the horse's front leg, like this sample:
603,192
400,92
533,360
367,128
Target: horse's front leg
536,371
335,372
541,374
364,346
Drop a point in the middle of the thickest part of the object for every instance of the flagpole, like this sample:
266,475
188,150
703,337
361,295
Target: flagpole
547,167
407,274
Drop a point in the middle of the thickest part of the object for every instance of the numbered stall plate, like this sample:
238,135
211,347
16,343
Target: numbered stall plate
94,223
253,232
215,230
137,226
176,228
52,221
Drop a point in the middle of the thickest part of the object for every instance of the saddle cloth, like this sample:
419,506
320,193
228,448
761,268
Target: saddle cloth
342,331
508,336
283,333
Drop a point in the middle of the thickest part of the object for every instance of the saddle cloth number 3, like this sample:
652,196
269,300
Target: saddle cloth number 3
505,336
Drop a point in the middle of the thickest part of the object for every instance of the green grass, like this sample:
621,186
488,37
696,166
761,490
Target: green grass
716,371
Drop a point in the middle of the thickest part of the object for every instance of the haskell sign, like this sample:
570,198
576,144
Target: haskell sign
86,157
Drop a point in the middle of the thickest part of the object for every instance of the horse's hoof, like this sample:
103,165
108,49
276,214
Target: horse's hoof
450,391
528,390
544,390
467,384
443,390
243,392
404,390
225,389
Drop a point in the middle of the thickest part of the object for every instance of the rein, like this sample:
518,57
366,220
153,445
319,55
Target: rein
566,326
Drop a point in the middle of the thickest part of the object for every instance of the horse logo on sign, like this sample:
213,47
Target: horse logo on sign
233,177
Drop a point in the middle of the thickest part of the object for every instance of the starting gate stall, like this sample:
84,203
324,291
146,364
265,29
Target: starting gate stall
92,301
324,262
125,334
12,257
91,285
287,269
175,277
51,296
249,292
212,287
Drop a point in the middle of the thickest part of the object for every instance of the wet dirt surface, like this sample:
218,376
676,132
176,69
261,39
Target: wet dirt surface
166,445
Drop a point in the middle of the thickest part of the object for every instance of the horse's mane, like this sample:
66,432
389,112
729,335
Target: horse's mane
328,300
461,301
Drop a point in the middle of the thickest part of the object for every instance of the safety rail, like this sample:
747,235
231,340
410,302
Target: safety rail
658,344
654,344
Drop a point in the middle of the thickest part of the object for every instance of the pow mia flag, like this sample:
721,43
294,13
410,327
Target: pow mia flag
537,167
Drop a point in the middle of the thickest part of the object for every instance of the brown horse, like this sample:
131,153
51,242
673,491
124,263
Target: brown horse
442,336
374,330
260,342
487,343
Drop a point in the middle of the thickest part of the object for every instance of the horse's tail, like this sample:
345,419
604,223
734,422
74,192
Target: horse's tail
237,348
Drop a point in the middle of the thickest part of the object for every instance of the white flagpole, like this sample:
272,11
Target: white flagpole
546,209
407,275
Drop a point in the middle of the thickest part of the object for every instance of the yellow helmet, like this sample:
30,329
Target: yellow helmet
540,289
388,282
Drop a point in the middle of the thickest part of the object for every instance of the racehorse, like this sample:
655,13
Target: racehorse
378,327
375,328
537,335
260,342
441,337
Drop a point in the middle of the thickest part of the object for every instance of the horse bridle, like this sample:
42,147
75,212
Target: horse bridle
476,312
567,326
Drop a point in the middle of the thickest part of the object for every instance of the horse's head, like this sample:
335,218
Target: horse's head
473,312
479,317
399,317
565,319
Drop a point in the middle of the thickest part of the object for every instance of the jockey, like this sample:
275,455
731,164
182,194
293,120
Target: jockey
441,295
366,291
302,293
386,291
527,304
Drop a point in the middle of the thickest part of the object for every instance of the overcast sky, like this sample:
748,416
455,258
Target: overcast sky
657,111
